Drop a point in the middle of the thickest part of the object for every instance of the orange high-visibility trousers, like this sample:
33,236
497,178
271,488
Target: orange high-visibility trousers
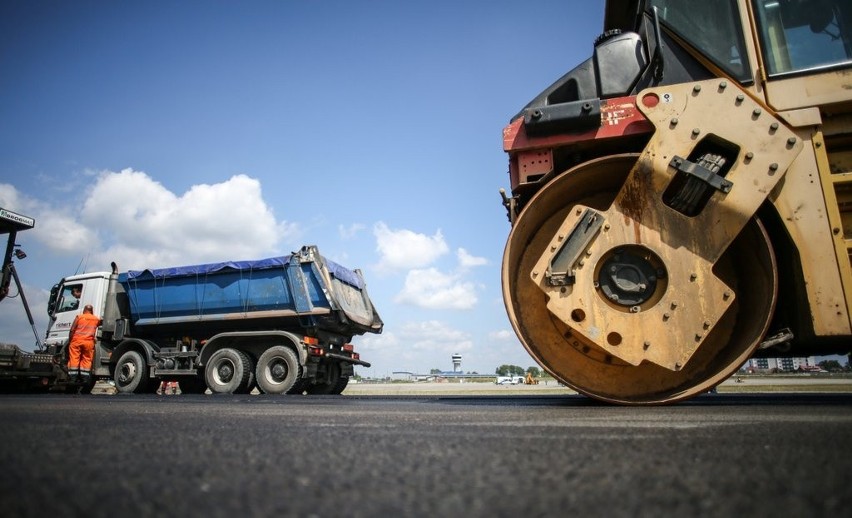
80,355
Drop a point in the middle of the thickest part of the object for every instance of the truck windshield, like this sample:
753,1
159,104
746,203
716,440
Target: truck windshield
798,35
711,26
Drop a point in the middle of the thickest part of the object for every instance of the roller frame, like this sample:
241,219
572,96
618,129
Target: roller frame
668,329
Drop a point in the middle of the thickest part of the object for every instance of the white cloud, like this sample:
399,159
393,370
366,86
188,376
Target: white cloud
414,347
433,335
66,234
468,261
349,232
134,220
380,342
146,225
432,289
13,318
404,249
10,199
502,335
55,226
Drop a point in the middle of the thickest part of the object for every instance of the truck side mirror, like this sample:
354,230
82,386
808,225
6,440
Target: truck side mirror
51,302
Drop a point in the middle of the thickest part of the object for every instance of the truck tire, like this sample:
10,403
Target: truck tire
340,386
130,374
298,388
334,385
192,385
228,371
278,370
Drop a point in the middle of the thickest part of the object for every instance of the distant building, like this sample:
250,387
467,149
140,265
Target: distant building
781,364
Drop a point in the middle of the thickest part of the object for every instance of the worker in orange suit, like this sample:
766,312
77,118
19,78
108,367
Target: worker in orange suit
81,344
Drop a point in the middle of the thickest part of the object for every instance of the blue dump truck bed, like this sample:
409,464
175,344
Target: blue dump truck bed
300,290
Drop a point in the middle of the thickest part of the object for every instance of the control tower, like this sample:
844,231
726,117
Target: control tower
457,363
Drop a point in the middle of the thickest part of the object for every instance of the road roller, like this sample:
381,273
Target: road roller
681,201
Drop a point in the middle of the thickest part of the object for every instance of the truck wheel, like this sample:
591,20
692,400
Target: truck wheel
192,385
298,388
328,387
130,374
278,370
228,371
340,386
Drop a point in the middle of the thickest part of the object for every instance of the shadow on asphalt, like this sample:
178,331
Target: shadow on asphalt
809,399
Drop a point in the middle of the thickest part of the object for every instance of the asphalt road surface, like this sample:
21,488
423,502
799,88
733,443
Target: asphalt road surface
520,456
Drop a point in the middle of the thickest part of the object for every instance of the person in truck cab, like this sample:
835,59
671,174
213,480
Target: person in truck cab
81,344
76,292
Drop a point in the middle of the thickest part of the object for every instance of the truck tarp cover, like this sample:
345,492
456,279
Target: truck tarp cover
277,287
339,272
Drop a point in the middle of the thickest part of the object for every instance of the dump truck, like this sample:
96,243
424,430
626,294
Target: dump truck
281,325
681,201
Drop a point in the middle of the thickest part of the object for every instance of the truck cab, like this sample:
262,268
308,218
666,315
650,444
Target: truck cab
69,297
67,300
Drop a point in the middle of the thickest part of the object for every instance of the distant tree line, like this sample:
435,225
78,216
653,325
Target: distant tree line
832,366
514,370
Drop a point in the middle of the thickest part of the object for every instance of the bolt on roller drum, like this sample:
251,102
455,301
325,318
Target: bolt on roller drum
626,320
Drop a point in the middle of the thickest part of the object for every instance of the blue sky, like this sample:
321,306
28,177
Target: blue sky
168,133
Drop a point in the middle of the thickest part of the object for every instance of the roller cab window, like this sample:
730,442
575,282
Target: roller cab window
712,27
802,36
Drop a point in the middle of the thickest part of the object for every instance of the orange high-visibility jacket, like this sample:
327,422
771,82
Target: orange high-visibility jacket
84,328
